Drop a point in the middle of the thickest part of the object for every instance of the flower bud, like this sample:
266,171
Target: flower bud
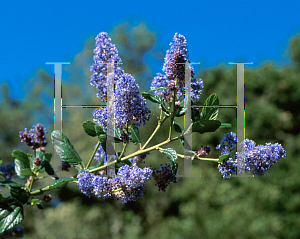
47,198
37,162
177,105
65,166
172,86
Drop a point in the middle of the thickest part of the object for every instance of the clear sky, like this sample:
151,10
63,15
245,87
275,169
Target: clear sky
36,32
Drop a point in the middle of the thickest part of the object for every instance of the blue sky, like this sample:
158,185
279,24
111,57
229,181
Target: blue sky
33,33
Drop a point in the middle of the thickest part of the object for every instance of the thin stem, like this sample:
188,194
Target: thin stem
123,151
48,188
31,182
205,159
138,152
160,122
93,155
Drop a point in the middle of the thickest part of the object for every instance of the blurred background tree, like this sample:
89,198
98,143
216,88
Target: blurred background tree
206,207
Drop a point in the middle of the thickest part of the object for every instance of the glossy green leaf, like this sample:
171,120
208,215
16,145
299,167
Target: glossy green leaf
48,167
135,135
19,166
155,99
60,183
172,156
19,195
206,126
177,127
36,201
19,155
99,130
64,148
48,156
102,139
180,112
211,113
89,128
26,172
10,216
224,157
11,184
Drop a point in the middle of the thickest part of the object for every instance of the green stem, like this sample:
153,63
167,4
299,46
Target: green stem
205,159
123,151
30,186
47,188
155,147
157,128
93,155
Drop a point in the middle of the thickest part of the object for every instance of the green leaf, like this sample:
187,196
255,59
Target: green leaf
48,167
118,133
19,166
19,195
224,157
225,126
48,156
98,130
10,215
89,128
155,99
60,183
36,201
17,154
210,113
2,177
64,148
102,139
159,88
177,127
206,126
11,184
180,112
135,135
172,156
26,172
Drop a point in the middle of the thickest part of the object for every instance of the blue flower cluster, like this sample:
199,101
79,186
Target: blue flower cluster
8,170
35,137
228,144
129,106
105,52
174,68
99,153
257,159
128,185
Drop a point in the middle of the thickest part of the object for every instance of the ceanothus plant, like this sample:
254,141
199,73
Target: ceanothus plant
130,113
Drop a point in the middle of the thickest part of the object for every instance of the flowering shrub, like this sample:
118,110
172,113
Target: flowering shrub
130,113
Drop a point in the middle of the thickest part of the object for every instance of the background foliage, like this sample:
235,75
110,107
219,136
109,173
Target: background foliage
206,207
